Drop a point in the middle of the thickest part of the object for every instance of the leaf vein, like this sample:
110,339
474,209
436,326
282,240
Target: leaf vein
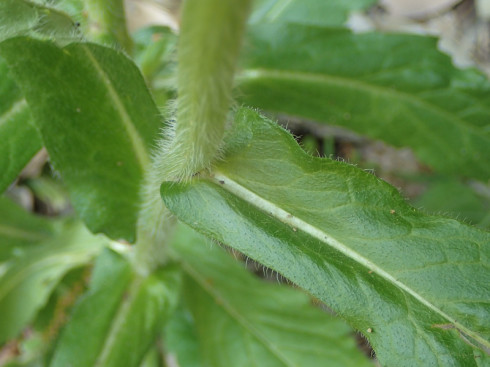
295,222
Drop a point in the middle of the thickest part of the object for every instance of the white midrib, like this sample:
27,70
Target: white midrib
134,136
295,222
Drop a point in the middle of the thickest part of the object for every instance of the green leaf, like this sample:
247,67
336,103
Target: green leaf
465,203
16,17
27,280
19,229
72,7
34,347
419,283
397,88
97,120
314,12
152,358
116,322
155,54
107,23
20,139
21,17
242,321
181,338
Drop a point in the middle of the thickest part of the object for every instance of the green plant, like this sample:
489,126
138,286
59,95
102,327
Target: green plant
416,286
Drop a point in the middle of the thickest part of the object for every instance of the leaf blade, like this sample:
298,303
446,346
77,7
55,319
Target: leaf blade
21,139
20,229
253,320
331,13
400,249
119,305
372,83
27,280
98,123
21,17
137,143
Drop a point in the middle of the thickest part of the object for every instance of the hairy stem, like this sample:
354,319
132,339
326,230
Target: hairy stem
210,39
107,23
209,45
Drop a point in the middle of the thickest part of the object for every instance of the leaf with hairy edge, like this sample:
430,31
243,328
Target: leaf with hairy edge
242,321
397,88
20,140
466,203
315,12
26,281
16,17
20,229
22,17
97,120
417,286
118,319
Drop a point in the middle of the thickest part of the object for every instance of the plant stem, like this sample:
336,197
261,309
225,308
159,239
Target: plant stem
107,23
209,44
156,226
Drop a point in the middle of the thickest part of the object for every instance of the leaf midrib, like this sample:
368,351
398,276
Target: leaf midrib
135,138
283,216
256,73
118,322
